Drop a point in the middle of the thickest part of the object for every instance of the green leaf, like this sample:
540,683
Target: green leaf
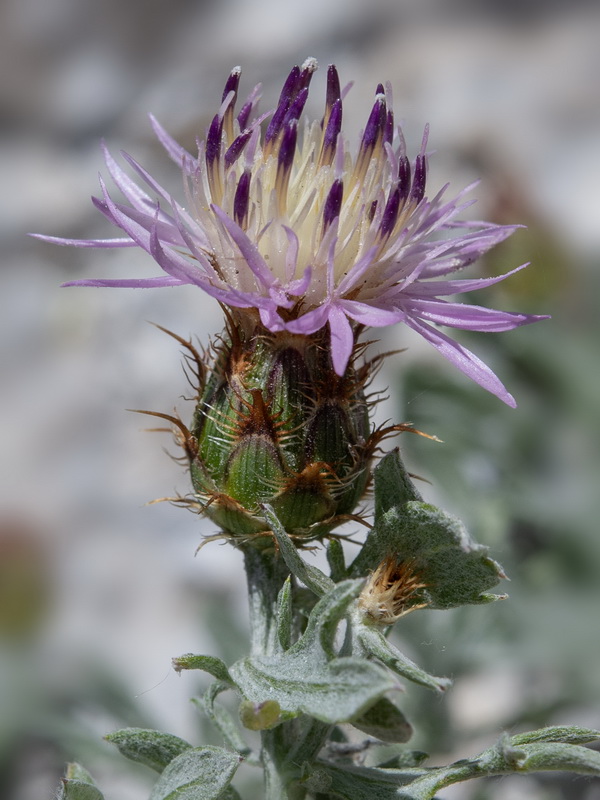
75,772
393,486
336,561
375,644
309,678
310,576
455,570
78,790
385,721
222,720
78,784
202,773
568,734
284,614
358,783
152,748
558,756
211,664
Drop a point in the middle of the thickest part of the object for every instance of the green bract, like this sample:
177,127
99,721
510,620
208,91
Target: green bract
275,424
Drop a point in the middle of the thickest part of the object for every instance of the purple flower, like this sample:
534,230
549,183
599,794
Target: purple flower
282,219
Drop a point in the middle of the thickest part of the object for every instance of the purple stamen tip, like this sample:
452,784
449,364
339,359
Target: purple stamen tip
333,203
334,91
288,93
418,187
287,148
334,126
213,140
374,124
241,199
404,177
388,131
390,214
233,152
297,106
290,87
244,114
232,83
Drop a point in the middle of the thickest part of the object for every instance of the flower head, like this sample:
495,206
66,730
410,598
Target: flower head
282,220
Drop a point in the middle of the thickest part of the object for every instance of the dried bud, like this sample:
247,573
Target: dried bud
392,591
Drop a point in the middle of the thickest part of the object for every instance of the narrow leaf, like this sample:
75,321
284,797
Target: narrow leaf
211,664
152,748
336,561
375,643
310,576
284,615
222,720
359,783
557,756
568,734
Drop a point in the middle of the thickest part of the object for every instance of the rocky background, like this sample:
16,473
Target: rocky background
98,590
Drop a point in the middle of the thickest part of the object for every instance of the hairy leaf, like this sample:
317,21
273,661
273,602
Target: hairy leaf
211,664
202,773
309,678
149,747
454,570
385,721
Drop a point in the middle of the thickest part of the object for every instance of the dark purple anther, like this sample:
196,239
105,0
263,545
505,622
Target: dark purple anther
334,126
289,91
244,114
375,124
232,83
233,152
287,148
390,213
296,107
213,140
388,131
290,87
333,203
418,187
240,201
404,174
334,91
380,89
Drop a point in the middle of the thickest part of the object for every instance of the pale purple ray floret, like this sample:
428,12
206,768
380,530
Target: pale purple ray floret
281,219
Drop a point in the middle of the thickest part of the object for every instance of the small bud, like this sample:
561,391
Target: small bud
259,716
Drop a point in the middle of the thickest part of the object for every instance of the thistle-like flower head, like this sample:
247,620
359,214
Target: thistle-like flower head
282,220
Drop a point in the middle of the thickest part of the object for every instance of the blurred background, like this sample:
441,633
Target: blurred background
98,590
